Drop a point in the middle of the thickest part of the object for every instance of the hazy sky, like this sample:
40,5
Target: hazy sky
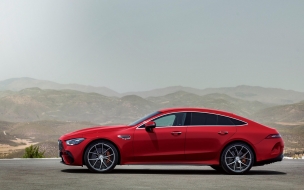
141,45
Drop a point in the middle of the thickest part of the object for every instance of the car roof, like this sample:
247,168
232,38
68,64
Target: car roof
196,109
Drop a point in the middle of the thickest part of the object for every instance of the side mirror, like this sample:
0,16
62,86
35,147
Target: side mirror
149,126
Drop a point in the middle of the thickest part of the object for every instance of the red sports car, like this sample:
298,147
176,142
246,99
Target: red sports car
222,140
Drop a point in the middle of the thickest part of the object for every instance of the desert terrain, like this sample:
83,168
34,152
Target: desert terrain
40,114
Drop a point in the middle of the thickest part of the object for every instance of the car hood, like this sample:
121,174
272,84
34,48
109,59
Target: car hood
96,129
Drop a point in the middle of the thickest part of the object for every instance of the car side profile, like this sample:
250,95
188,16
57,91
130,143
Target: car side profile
198,136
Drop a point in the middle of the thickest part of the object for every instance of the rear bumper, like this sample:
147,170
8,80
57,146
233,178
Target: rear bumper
269,149
269,161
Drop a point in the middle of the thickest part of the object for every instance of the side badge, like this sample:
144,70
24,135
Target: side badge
124,137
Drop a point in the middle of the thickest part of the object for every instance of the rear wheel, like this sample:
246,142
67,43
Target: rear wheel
101,156
237,158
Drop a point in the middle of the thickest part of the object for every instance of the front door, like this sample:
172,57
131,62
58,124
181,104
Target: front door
165,144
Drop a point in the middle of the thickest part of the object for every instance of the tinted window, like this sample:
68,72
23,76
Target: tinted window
176,119
211,119
167,120
180,119
237,122
222,120
203,119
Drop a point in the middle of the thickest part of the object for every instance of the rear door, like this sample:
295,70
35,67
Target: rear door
206,134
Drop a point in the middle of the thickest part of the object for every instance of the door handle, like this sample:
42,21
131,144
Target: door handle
223,132
175,133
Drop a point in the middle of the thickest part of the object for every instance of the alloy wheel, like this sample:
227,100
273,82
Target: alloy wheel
237,158
101,157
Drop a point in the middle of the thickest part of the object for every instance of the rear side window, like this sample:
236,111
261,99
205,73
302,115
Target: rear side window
203,119
222,120
196,118
237,122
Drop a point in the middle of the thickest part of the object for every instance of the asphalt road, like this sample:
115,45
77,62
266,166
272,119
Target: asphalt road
50,174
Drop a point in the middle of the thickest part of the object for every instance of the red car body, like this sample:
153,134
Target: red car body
179,143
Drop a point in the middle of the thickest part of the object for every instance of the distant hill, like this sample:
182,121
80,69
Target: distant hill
34,104
164,91
250,93
292,113
273,96
261,94
216,101
16,84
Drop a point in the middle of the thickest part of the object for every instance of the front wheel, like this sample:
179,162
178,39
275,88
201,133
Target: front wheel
237,158
101,156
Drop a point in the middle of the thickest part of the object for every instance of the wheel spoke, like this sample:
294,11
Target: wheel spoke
96,149
101,162
241,150
108,155
232,153
93,153
106,150
94,159
95,163
105,164
109,160
237,153
231,163
102,148
244,155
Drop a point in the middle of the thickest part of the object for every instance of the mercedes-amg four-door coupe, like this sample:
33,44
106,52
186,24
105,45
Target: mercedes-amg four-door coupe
198,136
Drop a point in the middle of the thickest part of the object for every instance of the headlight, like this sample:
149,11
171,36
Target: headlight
74,141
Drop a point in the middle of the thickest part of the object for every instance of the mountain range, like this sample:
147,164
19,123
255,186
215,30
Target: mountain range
273,96
16,84
34,104
42,110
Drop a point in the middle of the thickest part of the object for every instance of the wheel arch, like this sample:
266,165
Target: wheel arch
101,139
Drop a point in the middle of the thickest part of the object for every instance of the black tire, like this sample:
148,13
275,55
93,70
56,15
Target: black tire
237,158
218,168
101,156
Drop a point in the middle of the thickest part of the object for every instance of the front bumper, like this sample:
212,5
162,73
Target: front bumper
65,155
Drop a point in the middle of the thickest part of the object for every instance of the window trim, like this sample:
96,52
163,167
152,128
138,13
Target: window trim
141,124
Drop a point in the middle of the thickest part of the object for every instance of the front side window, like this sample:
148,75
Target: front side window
167,120
175,119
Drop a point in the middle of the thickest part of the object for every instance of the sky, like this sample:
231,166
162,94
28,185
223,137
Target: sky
142,45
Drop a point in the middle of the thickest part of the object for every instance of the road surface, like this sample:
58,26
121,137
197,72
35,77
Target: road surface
50,174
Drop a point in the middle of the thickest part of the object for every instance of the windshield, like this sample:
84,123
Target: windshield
144,118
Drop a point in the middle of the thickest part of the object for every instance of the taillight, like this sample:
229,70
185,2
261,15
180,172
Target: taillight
273,136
